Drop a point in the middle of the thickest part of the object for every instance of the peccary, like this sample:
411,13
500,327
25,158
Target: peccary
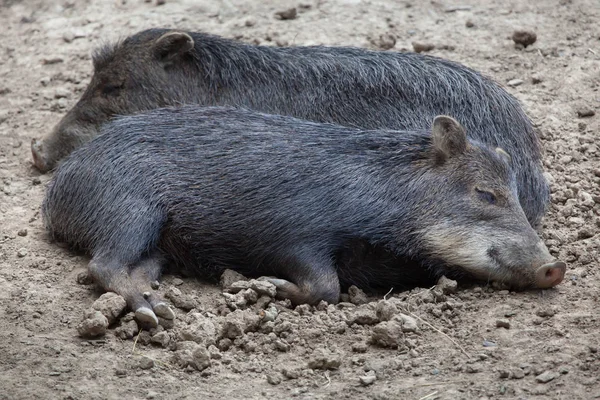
213,188
347,86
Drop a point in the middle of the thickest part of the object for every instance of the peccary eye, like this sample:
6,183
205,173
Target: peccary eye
486,196
112,89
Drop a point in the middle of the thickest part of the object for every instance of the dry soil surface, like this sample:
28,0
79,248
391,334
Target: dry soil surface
477,342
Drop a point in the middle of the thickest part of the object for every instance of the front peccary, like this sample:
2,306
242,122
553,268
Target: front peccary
348,86
213,188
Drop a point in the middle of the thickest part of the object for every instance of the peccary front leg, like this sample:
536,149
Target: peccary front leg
311,279
133,283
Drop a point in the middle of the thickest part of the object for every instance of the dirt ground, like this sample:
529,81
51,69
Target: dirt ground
479,342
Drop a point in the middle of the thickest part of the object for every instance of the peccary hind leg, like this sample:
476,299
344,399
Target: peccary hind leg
133,283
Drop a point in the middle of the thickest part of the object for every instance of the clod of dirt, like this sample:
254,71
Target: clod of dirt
387,334
535,79
447,286
363,315
585,112
274,379
503,323
161,338
517,373
192,354
368,379
524,38
287,14
419,47
128,328
360,347
385,310
323,359
357,296
177,281
94,324
111,305
515,82
261,287
545,312
384,42
22,232
180,300
201,330
84,278
269,314
22,252
241,299
546,377
229,276
145,362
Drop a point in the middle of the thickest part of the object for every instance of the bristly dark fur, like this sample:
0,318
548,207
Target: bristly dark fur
348,86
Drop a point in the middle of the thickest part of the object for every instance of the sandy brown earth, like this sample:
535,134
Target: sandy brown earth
479,342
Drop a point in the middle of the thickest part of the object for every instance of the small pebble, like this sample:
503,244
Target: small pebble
357,296
368,379
84,278
146,362
419,47
469,24
546,377
22,252
503,323
584,112
447,286
22,232
524,38
274,379
515,82
517,373
360,347
287,14
177,282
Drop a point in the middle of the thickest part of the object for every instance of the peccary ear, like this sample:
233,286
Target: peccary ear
449,137
503,154
173,44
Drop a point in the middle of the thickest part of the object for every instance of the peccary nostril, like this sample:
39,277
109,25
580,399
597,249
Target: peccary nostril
551,274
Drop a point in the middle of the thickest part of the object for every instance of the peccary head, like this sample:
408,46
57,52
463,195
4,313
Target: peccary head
142,73
471,217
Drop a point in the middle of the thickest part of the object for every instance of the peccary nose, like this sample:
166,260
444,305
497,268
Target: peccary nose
551,274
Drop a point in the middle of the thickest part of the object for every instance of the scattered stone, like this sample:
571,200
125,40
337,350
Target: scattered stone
515,82
229,276
546,377
50,61
290,13
419,47
22,232
162,338
504,374
146,362
357,296
85,278
503,323
545,312
447,286
274,379
180,300
452,9
469,24
409,324
368,379
585,112
94,324
177,282
535,79
214,352
524,38
474,368
291,372
487,343
251,21
111,305
282,346
22,252
517,373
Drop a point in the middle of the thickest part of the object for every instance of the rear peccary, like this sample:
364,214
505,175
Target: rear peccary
214,188
347,86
